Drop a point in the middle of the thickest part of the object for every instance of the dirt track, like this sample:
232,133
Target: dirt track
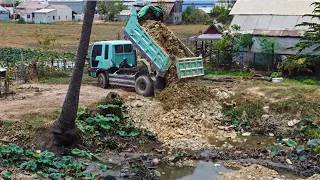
35,98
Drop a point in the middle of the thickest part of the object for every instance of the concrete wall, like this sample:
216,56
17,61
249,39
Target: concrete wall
45,17
122,18
4,16
76,6
25,17
64,14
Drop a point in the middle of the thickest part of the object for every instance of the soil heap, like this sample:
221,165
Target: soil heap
178,93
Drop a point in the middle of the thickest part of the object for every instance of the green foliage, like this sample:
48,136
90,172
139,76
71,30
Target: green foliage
110,8
81,153
274,75
95,129
291,143
312,35
275,150
14,54
226,73
191,15
268,46
44,164
221,14
21,21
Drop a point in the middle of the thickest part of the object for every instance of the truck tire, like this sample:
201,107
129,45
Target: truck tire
144,85
103,80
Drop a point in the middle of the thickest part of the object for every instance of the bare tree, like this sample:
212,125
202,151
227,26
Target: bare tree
64,129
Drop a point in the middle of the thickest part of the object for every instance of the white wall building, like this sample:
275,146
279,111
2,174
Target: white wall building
45,16
64,13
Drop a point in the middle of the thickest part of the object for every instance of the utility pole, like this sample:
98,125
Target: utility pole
14,15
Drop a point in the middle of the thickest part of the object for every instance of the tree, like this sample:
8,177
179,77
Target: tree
191,15
64,129
221,14
311,37
110,8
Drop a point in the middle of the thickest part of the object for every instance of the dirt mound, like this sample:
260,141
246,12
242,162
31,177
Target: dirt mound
164,38
251,172
183,94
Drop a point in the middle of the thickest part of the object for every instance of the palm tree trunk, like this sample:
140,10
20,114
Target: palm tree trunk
64,129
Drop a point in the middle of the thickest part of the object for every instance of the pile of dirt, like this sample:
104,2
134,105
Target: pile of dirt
252,172
183,94
189,128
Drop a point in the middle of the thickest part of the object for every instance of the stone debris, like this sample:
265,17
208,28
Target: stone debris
253,172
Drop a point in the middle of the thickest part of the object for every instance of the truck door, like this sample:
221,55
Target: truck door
96,55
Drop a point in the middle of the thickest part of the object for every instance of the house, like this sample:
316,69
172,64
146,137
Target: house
4,14
123,15
26,15
78,6
212,34
173,10
272,19
64,13
45,16
198,4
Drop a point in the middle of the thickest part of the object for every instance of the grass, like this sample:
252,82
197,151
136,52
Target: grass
306,81
313,133
68,33
25,129
64,78
226,73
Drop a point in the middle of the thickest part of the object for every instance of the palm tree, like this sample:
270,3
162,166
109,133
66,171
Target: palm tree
64,129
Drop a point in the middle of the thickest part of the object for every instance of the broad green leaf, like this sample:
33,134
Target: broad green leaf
302,158
279,138
273,154
35,176
313,142
293,156
5,163
18,150
88,154
299,149
45,175
68,178
76,151
67,159
90,120
103,167
51,170
122,133
29,152
135,132
6,175
235,123
57,164
23,165
291,143
56,175
105,125
89,128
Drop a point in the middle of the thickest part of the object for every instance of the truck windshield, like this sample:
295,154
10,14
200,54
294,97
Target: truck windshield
127,48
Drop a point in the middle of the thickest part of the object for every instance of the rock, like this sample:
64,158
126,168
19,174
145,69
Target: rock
38,151
155,161
271,134
265,117
217,165
289,161
137,103
157,173
266,109
246,134
293,122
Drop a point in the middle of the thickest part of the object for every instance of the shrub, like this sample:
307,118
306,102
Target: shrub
21,21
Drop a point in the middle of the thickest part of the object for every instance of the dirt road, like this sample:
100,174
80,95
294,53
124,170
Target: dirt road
36,98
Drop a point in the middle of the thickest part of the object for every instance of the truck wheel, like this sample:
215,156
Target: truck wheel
144,85
103,80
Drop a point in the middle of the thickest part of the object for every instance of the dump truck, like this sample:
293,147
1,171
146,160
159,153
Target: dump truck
115,62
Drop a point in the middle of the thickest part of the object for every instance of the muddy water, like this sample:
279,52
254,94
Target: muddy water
203,171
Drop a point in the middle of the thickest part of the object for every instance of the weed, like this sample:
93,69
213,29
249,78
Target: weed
306,81
313,133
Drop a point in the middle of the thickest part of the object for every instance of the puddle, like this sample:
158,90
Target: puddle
248,141
203,171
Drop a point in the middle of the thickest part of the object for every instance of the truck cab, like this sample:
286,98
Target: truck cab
110,56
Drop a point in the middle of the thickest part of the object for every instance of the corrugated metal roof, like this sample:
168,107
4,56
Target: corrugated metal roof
44,10
272,24
274,7
125,12
60,6
3,9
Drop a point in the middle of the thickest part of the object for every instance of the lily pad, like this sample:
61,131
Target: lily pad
291,143
300,149
313,142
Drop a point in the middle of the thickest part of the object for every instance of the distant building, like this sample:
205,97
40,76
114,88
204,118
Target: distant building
4,14
173,10
77,6
198,4
64,13
123,15
45,16
272,19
